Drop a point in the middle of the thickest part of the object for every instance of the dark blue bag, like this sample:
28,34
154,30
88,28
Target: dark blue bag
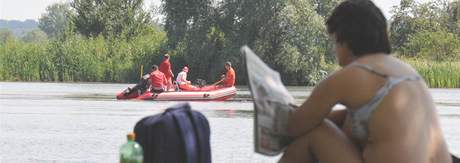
179,135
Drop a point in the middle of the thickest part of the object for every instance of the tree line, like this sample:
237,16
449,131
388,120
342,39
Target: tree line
108,41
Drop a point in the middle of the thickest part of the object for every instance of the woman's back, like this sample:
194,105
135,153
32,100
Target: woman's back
404,125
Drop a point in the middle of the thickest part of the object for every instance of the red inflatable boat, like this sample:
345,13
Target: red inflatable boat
207,94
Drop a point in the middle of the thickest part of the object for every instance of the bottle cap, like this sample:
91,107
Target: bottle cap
131,136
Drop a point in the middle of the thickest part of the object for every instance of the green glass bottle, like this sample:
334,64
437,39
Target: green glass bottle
131,152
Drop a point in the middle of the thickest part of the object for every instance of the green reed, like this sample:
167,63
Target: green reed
438,74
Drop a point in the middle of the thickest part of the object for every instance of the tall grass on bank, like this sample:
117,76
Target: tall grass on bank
78,58
438,74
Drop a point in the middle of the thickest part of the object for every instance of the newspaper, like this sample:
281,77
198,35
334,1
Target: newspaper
271,105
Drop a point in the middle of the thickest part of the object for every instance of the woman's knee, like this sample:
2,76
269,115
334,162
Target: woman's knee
325,128
303,142
298,151
320,142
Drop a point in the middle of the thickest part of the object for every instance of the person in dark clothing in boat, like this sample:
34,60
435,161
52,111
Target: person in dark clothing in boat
140,87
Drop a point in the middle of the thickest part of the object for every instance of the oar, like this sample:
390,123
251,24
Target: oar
142,70
221,80
217,82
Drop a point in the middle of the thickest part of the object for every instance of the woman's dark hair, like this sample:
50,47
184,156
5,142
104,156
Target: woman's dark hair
361,26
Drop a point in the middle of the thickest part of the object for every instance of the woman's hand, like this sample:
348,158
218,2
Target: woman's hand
293,105
338,116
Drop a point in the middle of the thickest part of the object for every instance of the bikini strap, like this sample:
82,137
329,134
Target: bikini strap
370,69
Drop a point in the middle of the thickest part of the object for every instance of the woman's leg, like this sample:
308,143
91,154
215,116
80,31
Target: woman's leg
338,116
326,143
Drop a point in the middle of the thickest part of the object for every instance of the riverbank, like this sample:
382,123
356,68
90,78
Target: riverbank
81,59
437,74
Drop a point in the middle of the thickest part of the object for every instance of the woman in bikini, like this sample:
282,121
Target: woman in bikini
390,116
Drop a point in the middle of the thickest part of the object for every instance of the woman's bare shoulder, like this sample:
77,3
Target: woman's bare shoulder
350,77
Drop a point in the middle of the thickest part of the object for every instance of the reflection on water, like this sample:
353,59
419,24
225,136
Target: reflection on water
75,122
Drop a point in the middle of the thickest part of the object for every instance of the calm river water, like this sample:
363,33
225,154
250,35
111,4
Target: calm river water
74,122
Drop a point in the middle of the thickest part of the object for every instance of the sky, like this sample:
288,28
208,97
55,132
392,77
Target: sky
33,9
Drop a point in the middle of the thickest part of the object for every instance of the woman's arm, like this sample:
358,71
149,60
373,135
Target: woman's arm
317,107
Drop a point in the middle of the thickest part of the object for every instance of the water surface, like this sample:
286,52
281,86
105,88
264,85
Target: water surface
82,122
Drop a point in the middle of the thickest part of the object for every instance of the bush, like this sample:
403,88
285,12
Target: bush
438,46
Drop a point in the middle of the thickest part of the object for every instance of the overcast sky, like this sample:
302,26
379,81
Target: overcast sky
32,9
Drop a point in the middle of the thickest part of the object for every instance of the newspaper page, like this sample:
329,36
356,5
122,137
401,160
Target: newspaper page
271,105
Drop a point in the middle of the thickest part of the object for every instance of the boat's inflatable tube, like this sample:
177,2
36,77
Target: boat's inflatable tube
209,93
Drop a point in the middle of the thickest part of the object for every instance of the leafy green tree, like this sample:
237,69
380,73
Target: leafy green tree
438,46
89,17
299,47
36,35
111,18
453,11
324,7
426,30
55,20
180,15
289,35
412,17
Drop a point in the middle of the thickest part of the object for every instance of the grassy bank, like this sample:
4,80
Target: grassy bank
79,59
438,74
